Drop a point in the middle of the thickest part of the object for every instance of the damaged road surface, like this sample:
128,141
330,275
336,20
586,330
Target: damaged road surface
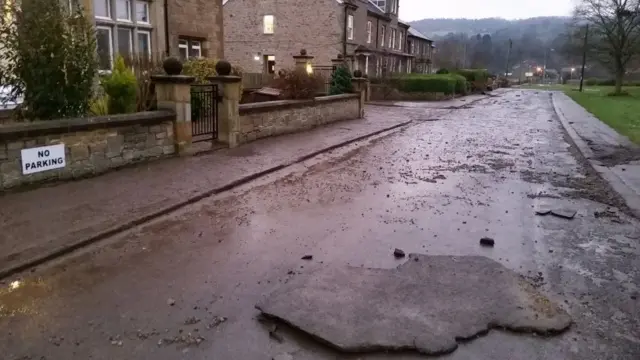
426,304
185,286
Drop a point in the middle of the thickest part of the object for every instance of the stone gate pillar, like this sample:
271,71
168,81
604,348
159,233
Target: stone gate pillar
173,92
360,86
302,60
230,93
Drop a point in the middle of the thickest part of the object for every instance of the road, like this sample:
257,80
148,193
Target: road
184,286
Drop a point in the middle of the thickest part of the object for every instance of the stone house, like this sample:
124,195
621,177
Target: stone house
422,49
184,28
262,36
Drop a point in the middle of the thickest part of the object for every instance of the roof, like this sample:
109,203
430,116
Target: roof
415,33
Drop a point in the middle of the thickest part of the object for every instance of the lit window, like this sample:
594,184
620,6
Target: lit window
350,27
368,32
269,24
102,8
142,12
123,10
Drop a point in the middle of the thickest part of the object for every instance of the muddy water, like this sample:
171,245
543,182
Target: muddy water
436,187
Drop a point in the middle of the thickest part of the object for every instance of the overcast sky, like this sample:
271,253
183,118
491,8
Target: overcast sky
411,10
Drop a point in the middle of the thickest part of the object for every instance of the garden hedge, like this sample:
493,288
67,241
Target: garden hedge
438,83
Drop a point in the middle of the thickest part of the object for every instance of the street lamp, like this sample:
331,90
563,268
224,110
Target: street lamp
544,69
571,76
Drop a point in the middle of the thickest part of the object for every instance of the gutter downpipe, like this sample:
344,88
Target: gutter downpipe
166,28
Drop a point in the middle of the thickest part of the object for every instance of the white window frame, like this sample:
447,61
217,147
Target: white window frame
184,44
266,29
369,32
393,38
190,44
400,40
147,7
383,33
128,3
148,34
131,31
109,15
193,46
110,30
350,27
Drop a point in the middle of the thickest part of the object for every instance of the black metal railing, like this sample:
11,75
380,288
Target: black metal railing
204,112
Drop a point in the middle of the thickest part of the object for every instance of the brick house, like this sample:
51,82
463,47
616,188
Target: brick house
184,28
262,36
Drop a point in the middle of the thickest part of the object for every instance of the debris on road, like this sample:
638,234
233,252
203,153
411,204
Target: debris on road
273,333
564,213
191,320
485,241
171,302
217,320
398,253
543,212
307,257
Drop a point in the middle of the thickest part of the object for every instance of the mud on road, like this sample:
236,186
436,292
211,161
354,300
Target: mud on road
436,188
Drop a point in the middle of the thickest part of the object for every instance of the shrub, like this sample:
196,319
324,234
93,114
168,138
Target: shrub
442,71
298,84
144,67
203,68
121,86
99,106
48,58
340,81
439,83
591,82
473,74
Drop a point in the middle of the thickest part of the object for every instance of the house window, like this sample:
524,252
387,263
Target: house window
144,42
392,39
368,32
125,42
142,12
412,48
400,40
126,34
104,47
350,27
269,24
102,9
189,49
123,10
382,35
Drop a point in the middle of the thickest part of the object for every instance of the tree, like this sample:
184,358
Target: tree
614,33
340,81
48,57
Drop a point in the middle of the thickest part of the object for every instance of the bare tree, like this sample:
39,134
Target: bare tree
614,33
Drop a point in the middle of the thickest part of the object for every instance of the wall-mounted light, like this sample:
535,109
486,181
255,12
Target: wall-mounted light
309,69
256,58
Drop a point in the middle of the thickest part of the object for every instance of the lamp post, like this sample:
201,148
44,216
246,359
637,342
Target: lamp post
544,68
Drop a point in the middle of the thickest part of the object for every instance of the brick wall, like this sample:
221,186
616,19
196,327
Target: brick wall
313,25
92,146
272,118
199,20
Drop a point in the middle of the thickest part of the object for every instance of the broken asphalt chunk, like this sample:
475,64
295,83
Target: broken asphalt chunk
564,213
485,241
398,253
307,257
543,212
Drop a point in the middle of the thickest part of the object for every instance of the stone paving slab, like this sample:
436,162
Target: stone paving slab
41,223
427,304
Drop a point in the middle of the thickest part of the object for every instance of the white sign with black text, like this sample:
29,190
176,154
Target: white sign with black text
44,158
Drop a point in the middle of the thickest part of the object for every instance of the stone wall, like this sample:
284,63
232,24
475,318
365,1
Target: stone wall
92,145
382,92
258,120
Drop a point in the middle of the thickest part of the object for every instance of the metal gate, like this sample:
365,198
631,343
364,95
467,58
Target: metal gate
204,112
325,71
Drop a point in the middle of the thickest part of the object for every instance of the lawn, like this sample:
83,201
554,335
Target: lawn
620,112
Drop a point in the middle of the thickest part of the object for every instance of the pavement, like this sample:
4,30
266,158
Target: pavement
48,222
612,156
185,285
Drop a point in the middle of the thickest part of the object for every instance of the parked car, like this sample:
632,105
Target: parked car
5,103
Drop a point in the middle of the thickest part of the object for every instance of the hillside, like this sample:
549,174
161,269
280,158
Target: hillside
545,28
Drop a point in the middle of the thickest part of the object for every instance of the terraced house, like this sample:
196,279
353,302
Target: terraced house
264,35
184,28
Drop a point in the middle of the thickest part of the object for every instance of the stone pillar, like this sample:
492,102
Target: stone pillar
302,60
173,92
230,93
360,85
